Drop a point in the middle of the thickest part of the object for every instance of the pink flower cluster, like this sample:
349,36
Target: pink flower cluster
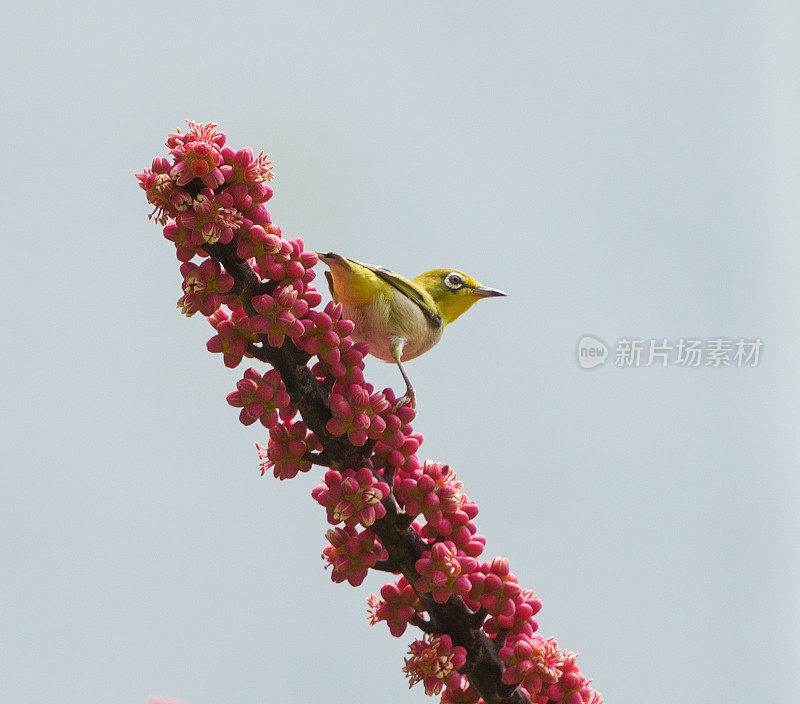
352,497
533,661
433,492
397,449
357,413
197,154
232,336
434,662
210,198
327,337
351,554
208,193
546,674
289,263
287,450
278,315
204,287
443,571
398,605
262,398
510,608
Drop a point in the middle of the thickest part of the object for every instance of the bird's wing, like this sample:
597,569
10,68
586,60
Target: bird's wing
418,295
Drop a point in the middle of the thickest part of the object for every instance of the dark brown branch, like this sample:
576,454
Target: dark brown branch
477,618
318,458
422,624
500,639
404,521
387,566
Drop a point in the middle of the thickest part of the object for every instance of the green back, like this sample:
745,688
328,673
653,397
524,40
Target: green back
408,288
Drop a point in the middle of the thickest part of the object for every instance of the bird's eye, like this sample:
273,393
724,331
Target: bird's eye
453,281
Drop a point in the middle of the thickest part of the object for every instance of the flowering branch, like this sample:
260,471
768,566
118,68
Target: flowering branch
389,511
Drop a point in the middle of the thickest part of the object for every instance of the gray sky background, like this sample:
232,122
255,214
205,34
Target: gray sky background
621,169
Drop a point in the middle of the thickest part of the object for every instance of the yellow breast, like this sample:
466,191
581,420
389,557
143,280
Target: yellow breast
381,319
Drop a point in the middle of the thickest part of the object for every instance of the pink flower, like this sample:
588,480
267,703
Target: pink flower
162,192
231,338
323,336
254,241
184,241
203,287
444,572
197,154
428,489
290,264
211,218
351,553
514,615
262,398
327,335
395,418
352,497
398,605
197,132
279,315
241,168
532,659
572,687
434,492
286,451
494,586
397,448
309,294
434,662
356,413
462,693
511,608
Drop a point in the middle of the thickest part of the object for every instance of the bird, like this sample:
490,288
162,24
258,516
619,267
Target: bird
399,318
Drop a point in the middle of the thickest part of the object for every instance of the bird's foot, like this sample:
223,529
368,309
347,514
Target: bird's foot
409,398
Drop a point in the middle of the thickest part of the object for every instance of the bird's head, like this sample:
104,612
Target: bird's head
453,292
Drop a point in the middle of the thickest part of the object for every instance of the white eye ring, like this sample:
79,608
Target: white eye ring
453,281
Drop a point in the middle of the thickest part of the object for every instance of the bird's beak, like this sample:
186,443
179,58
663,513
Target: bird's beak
327,257
484,292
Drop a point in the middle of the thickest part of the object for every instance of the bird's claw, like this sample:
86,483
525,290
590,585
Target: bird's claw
408,398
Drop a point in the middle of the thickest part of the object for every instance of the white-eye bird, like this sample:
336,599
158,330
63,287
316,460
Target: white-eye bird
400,318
